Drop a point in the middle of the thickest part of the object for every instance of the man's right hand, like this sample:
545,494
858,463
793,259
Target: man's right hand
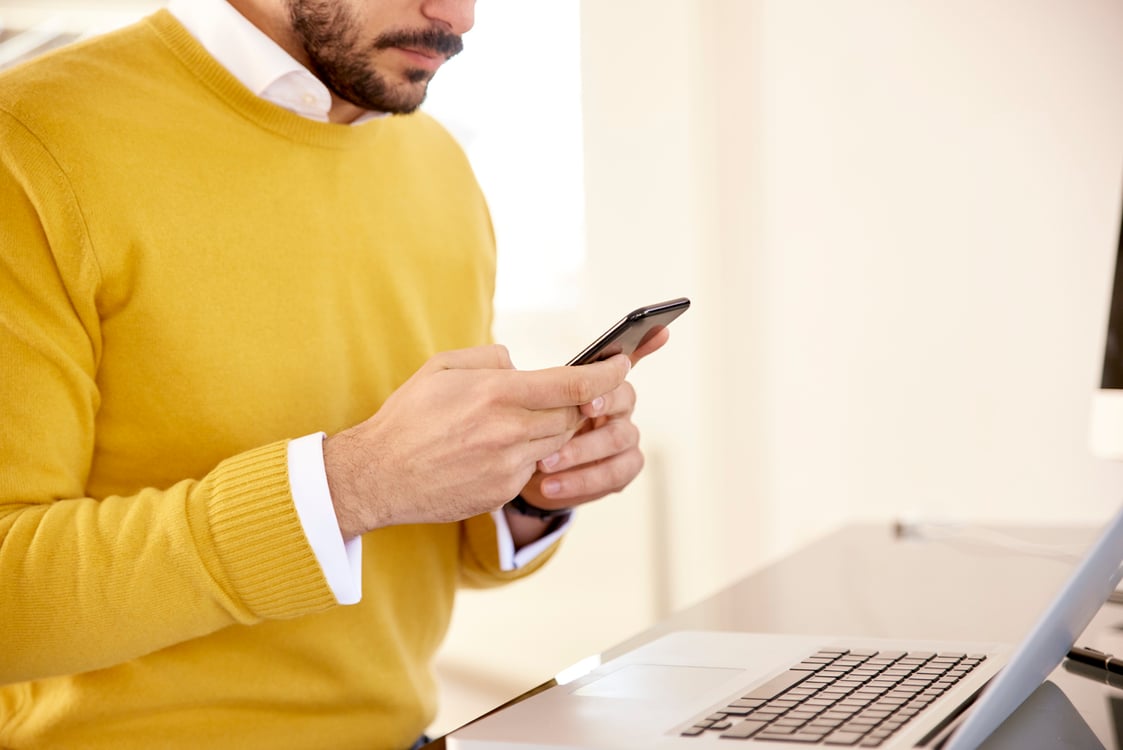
461,437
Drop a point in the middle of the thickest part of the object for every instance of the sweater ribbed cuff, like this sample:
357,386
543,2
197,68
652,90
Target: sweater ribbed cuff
480,566
258,537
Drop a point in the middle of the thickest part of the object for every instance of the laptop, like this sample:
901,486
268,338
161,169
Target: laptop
706,689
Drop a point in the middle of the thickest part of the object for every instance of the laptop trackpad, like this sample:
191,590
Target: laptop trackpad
656,682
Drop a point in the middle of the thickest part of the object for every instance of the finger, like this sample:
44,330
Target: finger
592,481
546,423
533,495
614,437
651,345
617,402
570,386
544,447
491,357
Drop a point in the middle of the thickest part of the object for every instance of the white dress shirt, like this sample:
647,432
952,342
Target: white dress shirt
268,71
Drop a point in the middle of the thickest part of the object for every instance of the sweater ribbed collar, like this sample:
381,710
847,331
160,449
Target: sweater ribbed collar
234,93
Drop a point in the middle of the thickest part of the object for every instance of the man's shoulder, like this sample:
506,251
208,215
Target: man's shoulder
422,127
63,81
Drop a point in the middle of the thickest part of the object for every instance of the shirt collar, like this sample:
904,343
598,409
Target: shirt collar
259,63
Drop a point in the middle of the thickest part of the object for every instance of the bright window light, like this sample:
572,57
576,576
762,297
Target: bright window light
513,100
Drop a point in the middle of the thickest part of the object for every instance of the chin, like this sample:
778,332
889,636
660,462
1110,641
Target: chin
403,104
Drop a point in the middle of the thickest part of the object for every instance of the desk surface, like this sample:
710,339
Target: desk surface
974,583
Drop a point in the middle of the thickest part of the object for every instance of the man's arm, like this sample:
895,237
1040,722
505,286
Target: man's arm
94,581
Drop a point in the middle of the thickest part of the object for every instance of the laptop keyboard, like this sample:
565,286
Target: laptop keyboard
838,697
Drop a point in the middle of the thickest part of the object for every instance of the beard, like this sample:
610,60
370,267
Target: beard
343,60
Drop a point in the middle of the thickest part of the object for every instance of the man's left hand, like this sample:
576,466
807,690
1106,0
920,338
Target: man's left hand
602,457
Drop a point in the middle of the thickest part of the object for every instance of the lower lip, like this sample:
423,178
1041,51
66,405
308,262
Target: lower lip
418,60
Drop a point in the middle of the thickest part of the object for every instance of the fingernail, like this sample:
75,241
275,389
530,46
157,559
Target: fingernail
597,404
550,462
551,487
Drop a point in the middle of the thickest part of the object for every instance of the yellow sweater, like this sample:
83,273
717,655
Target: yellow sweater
189,277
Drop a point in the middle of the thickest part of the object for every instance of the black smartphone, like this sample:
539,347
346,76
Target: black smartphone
635,329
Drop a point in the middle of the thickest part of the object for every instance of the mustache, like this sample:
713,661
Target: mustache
435,40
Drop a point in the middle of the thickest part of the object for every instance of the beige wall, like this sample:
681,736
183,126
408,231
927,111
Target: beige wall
897,220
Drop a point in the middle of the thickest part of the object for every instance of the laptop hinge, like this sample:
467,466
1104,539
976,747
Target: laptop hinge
943,731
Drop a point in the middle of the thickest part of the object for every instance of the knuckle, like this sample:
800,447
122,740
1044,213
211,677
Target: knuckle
573,418
579,484
511,467
638,461
623,472
517,431
511,488
512,433
580,389
568,456
556,421
488,391
557,442
629,400
502,355
624,437
476,392
439,361
620,401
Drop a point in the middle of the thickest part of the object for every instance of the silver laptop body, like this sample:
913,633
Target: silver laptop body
653,696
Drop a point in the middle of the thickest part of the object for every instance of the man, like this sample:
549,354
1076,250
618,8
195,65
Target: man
215,250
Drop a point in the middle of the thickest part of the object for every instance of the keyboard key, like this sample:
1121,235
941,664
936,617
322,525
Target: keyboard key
844,738
737,711
793,737
865,721
744,729
894,655
783,703
776,685
800,692
812,733
804,666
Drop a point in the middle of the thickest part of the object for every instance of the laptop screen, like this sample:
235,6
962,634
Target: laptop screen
1106,425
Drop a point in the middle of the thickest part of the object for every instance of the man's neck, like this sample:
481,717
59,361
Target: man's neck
271,19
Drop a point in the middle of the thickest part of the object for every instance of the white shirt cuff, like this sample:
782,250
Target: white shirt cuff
340,560
509,559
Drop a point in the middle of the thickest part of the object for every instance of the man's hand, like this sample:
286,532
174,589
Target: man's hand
463,436
603,457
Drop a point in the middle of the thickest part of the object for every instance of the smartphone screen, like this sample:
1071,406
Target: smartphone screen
632,331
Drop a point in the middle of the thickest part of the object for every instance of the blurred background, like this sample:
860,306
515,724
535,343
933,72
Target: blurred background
897,223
